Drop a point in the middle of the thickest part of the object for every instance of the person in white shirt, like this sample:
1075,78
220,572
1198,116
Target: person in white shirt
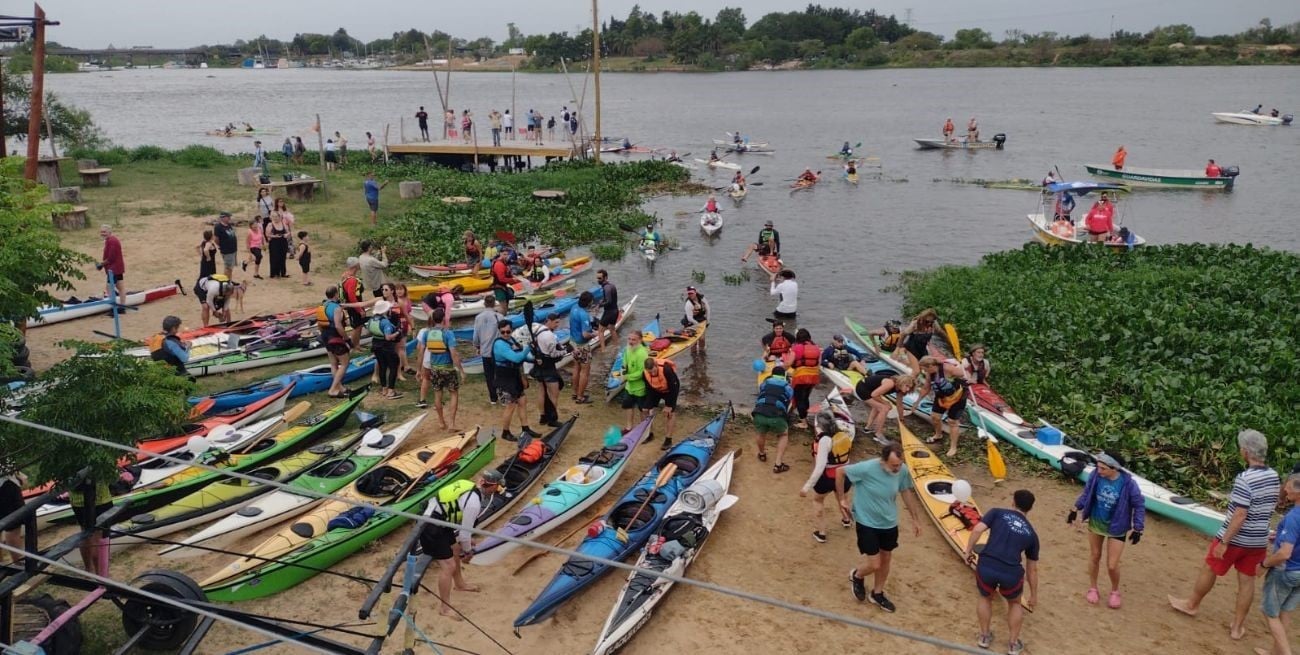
460,502
788,291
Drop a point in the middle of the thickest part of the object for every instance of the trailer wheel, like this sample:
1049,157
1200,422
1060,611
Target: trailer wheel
33,613
168,626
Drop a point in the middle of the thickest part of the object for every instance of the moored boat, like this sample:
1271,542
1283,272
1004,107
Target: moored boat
1055,232
1167,178
998,142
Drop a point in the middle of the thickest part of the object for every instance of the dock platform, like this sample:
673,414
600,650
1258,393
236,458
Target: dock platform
514,149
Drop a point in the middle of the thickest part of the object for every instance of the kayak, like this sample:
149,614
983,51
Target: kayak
688,524
614,383
719,164
290,349
334,541
466,307
649,250
934,484
265,448
738,194
226,496
462,268
567,496
711,222
673,342
851,178
384,485
326,477
863,334
482,282
250,324
843,417
631,522
804,184
519,476
770,263
720,142
76,308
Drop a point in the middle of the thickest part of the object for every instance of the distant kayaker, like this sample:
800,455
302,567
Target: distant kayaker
672,156
807,176
696,312
1282,583
948,129
1242,540
771,411
851,167
738,181
609,308
976,364
737,139
1117,161
838,356
634,384
876,485
1050,179
776,343
713,156
830,452
1100,219
805,373
768,243
946,380
509,356
169,348
459,502
917,334
627,144
788,292
846,150
650,238
972,130
1114,509
1212,170
875,390
1273,113
999,567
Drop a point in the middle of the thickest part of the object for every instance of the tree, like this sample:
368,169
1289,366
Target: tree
108,395
1170,34
515,38
919,41
72,126
863,38
972,38
730,23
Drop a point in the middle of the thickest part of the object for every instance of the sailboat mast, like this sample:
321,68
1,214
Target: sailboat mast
595,47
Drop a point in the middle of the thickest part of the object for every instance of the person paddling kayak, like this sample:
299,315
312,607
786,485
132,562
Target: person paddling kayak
711,205
738,182
650,238
768,243
807,177
846,150
776,343
851,168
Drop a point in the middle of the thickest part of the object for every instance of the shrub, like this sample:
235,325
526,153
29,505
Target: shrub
200,156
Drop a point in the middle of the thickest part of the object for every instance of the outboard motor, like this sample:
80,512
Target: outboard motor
1230,171
1000,139
1287,118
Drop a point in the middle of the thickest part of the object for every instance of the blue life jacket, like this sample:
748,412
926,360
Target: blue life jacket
773,397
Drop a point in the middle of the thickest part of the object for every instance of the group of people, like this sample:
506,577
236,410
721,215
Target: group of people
502,125
972,130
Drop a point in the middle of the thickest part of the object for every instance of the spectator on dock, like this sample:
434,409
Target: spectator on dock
422,117
550,128
466,125
508,123
494,119
448,123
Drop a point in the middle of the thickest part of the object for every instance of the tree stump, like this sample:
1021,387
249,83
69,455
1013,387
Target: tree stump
75,219
68,194
549,194
410,190
249,176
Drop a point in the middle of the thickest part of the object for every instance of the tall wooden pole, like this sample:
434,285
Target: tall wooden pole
3,147
595,47
38,96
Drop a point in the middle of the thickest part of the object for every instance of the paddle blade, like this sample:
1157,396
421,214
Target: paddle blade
754,170
951,331
665,475
296,411
997,467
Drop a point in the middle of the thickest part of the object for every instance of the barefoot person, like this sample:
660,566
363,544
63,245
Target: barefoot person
830,452
1281,595
440,367
1112,506
1242,541
999,568
877,484
947,381
608,309
874,390
459,502
771,414
582,334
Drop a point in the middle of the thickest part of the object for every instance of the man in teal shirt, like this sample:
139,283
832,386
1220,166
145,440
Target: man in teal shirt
634,357
876,484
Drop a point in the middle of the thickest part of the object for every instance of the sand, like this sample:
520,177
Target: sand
762,545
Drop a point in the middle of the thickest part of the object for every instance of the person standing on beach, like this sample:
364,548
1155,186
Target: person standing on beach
830,452
371,189
508,123
508,355
277,243
460,503
254,243
331,155
771,416
112,263
877,484
287,150
383,345
485,334
422,117
634,384
999,567
1281,595
440,367
1242,540
227,242
208,251
549,353
372,267
609,309
582,332
1114,509
342,143
303,253
494,119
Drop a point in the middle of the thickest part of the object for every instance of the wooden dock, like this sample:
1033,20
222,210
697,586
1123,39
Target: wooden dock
514,149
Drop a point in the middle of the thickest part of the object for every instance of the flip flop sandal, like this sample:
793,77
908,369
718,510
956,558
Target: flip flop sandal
933,440
762,457
781,468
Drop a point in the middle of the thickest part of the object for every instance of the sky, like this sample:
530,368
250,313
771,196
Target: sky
183,23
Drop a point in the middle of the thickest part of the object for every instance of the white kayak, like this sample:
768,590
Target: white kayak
96,305
720,142
685,528
719,164
711,222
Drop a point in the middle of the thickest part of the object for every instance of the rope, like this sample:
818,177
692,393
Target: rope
420,633
567,552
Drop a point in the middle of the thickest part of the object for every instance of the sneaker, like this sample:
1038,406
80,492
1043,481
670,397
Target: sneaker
820,537
509,437
984,640
1016,647
859,585
668,443
882,602
846,524
422,404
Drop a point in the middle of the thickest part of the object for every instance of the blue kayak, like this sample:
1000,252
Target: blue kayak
614,383
540,313
632,514
309,380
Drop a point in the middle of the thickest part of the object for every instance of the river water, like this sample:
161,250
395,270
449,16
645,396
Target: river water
841,240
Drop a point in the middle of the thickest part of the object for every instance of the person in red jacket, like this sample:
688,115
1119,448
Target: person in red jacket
112,262
502,281
806,372
1212,170
1100,220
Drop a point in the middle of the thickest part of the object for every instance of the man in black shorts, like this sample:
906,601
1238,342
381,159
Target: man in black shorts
877,484
460,502
662,385
609,308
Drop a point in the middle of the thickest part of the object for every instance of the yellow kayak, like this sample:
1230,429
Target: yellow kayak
934,484
482,281
678,341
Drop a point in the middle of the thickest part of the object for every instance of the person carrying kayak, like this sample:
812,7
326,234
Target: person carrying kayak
711,205
874,390
839,357
976,364
948,383
771,413
168,347
460,503
1100,219
999,567
1113,508
806,372
650,239
846,150
696,312
876,484
830,452
948,129
776,343
916,336
768,243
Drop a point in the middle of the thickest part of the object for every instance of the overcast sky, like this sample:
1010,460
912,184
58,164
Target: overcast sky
178,23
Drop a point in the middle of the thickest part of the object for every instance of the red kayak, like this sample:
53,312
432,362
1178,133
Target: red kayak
246,325
770,263
985,397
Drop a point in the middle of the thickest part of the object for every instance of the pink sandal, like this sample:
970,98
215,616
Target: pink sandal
1093,596
1115,600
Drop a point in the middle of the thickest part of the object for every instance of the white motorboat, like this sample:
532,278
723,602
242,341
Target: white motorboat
1251,118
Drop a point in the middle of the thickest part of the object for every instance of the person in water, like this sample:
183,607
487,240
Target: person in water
1114,510
768,243
830,452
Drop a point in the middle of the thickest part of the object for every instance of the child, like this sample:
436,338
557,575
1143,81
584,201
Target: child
255,247
304,258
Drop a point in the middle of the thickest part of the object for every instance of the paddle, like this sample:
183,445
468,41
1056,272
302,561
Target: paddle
542,553
449,455
290,416
664,476
997,467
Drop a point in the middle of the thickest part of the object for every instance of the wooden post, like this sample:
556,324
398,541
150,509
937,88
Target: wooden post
446,88
386,126
474,132
320,141
514,115
3,147
428,49
38,96
595,60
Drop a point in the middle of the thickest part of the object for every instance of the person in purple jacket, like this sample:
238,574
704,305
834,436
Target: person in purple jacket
1113,507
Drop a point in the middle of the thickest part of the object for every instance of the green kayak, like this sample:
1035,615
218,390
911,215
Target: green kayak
338,543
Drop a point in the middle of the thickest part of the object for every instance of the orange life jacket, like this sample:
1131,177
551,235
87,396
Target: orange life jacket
533,452
806,365
658,380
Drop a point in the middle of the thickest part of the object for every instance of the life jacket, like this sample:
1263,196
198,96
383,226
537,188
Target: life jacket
533,452
325,316
697,310
946,391
375,327
889,343
780,345
981,370
358,290
159,352
505,363
448,500
806,365
435,342
771,399
659,379
841,444
711,206
842,358
766,237
967,514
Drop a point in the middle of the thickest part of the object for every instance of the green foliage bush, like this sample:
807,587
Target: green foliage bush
148,153
200,156
1163,353
196,156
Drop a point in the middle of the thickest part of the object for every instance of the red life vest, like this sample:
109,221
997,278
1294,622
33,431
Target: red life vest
779,346
806,365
